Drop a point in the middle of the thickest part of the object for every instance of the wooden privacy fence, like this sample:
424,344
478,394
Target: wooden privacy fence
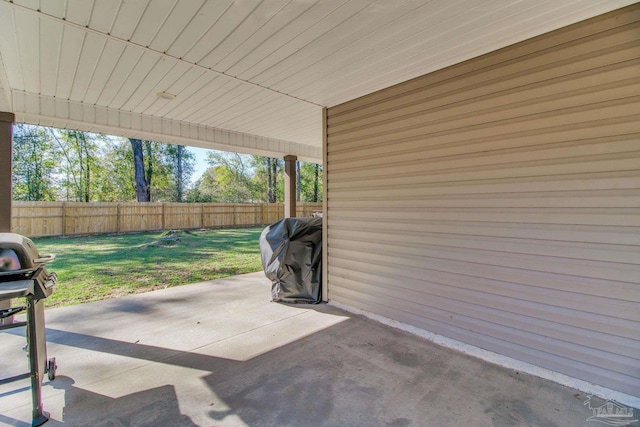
37,219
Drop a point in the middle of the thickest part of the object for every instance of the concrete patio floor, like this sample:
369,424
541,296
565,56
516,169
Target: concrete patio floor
221,354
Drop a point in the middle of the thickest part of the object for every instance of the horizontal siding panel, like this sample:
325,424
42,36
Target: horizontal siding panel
437,153
593,251
530,285
495,85
629,217
470,292
549,232
497,202
546,168
441,298
561,199
618,129
622,84
491,264
452,104
424,185
537,355
440,159
597,112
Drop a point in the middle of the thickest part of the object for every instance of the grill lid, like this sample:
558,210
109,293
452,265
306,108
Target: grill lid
19,254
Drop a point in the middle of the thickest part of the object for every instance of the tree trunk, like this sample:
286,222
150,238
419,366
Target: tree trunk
270,192
315,184
141,185
87,181
180,183
298,181
149,169
80,186
274,179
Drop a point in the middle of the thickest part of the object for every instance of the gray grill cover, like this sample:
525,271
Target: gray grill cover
291,252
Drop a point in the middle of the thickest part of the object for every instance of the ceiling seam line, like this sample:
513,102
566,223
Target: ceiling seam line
160,27
93,70
149,50
226,9
225,37
113,70
124,82
238,26
263,40
133,92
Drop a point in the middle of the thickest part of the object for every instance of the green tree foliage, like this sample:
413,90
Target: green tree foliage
238,178
268,178
80,165
181,163
228,180
117,181
53,164
34,164
166,169
310,182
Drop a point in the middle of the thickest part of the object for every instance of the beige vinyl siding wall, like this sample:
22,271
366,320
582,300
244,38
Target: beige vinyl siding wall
497,202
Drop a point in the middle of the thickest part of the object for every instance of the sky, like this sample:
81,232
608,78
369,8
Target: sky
201,162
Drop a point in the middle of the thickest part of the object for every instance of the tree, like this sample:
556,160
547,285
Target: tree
179,173
268,178
316,182
311,182
117,180
80,152
232,177
142,175
161,171
298,181
271,180
34,162
181,163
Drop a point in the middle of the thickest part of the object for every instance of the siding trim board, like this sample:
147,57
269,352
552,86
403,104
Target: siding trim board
497,203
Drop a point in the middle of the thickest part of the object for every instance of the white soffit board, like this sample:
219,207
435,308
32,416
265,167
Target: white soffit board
264,68
49,111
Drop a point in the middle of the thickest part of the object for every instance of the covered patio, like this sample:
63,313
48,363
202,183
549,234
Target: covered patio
221,354
482,188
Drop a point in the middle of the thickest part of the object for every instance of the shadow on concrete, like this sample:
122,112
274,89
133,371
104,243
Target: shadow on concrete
354,373
153,407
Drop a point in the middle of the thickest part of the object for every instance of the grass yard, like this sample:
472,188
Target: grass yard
92,268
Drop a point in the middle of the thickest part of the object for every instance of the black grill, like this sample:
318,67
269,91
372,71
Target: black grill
23,276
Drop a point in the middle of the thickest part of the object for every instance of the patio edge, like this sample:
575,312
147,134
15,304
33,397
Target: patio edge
500,360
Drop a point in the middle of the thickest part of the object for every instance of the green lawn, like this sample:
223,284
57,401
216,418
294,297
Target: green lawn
91,268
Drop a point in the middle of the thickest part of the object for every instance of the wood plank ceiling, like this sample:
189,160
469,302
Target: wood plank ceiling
248,74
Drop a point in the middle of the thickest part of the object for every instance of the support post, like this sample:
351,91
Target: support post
325,207
6,156
290,186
